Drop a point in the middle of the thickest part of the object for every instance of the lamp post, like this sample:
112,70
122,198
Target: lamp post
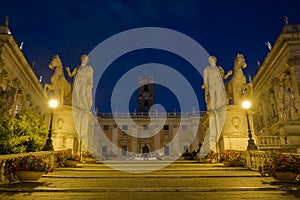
251,145
49,146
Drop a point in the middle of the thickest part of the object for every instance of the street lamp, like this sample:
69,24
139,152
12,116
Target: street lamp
49,146
251,145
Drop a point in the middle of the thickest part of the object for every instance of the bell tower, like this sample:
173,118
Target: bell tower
146,93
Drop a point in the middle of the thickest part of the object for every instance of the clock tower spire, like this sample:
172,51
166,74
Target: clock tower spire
146,93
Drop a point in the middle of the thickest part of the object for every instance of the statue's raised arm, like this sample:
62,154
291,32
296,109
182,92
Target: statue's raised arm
73,73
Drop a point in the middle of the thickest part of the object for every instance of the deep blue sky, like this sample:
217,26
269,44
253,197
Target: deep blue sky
72,28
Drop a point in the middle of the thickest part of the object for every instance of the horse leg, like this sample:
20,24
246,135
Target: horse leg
228,89
67,93
237,93
47,87
62,97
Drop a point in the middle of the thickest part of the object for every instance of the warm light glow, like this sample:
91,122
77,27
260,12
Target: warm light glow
53,103
246,104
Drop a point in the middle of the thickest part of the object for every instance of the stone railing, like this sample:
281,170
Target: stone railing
49,156
254,159
268,141
152,114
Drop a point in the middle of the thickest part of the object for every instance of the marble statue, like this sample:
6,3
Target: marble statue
214,85
286,21
216,104
61,87
290,107
82,85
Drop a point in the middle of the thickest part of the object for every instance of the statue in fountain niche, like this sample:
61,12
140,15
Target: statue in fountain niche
82,84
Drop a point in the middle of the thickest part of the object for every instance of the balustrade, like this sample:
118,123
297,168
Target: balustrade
268,141
152,114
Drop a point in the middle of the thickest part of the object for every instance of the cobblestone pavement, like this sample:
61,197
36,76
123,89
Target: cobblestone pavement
181,180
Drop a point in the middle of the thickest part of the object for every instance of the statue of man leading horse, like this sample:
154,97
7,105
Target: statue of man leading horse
235,88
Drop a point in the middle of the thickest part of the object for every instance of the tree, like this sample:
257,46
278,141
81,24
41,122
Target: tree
25,132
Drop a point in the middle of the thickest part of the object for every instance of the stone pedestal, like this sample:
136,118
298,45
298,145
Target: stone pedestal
64,133
67,134
235,131
86,129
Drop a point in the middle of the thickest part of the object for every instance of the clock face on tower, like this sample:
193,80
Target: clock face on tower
146,95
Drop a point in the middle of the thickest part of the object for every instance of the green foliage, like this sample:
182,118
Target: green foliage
26,132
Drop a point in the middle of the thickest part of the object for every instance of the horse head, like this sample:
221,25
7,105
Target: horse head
55,62
240,61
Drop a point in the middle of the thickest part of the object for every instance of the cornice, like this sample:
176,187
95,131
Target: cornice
280,53
13,56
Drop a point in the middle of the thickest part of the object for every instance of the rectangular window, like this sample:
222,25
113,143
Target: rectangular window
166,127
124,127
146,127
106,127
104,150
185,148
184,127
166,150
124,150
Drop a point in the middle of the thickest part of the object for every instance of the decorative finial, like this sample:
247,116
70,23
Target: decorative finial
268,44
21,46
33,64
250,79
286,20
6,21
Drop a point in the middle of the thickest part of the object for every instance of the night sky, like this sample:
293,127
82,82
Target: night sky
72,28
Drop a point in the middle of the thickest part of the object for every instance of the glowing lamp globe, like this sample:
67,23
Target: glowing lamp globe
246,104
53,103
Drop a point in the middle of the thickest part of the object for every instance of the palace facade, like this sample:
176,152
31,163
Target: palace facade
276,90
164,135
19,86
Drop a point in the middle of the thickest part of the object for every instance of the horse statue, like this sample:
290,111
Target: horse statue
61,87
237,85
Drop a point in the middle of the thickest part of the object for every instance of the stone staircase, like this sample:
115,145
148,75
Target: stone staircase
179,180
